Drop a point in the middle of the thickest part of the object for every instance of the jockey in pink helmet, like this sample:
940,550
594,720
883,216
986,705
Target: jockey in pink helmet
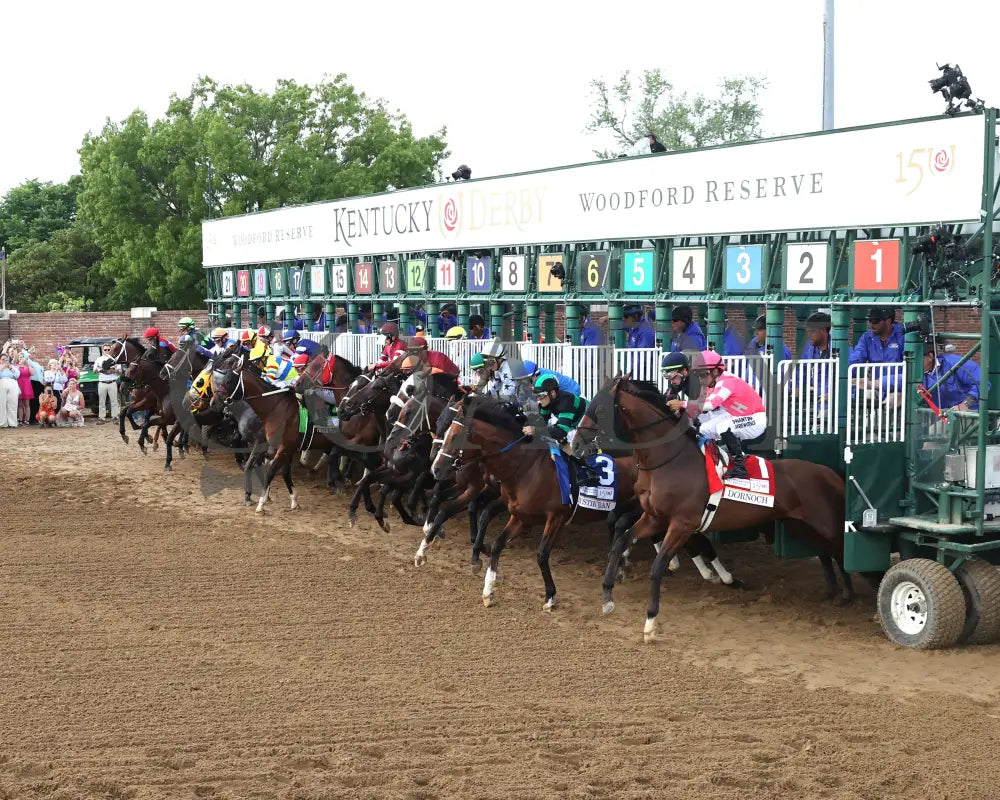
730,410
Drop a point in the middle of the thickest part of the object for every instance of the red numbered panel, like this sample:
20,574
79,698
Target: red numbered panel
363,278
876,266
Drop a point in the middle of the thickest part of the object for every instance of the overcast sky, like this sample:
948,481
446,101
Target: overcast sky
509,80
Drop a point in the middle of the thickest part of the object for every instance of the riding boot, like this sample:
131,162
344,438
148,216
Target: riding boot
737,459
585,473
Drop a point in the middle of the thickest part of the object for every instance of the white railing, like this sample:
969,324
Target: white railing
591,367
809,390
546,356
876,411
751,369
643,363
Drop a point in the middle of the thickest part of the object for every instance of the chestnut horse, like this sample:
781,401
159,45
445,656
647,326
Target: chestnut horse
672,488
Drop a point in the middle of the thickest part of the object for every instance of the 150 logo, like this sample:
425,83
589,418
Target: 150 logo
939,161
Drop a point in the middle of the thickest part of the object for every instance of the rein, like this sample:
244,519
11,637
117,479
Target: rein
646,426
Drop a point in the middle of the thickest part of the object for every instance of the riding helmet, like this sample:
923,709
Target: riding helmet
248,338
289,335
477,361
455,332
185,322
709,359
420,340
390,329
672,362
220,333
545,384
152,333
265,332
528,369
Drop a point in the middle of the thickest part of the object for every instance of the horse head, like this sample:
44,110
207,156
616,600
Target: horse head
227,382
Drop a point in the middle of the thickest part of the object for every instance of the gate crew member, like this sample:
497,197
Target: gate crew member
640,332
447,319
686,334
731,411
819,348
477,327
882,343
961,390
733,343
758,345
590,332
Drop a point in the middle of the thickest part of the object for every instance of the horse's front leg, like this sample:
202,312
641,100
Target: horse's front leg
286,473
125,412
644,528
678,532
362,490
514,527
278,462
553,524
383,496
493,509
170,437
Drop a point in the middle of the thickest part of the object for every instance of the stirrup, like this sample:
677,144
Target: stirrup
737,467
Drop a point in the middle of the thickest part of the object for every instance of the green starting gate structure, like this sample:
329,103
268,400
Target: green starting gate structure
901,215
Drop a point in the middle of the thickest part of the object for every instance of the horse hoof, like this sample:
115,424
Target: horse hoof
489,600
352,520
247,503
125,439
649,631
476,565
714,579
608,607
167,468
620,575
736,584
384,524
549,604
419,560
142,447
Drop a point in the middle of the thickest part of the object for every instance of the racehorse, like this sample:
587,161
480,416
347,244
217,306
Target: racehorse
125,351
277,410
528,481
145,373
672,488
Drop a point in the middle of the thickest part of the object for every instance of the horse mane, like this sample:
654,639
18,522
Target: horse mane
352,370
650,392
498,414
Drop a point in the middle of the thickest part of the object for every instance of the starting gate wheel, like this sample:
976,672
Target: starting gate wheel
921,605
980,584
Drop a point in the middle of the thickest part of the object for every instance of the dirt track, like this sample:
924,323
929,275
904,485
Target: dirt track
158,643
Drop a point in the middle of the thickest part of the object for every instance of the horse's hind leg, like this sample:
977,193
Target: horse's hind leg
383,496
699,548
404,512
167,467
643,528
511,529
363,490
826,562
286,473
678,532
552,528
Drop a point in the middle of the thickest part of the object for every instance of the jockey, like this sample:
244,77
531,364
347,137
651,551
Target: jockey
676,370
188,328
562,412
220,342
392,348
731,411
163,347
455,332
277,371
294,343
493,375
527,373
434,358
265,334
248,339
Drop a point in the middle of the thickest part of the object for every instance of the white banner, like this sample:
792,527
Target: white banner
911,173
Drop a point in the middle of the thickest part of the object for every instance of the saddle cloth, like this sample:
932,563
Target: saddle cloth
756,490
597,498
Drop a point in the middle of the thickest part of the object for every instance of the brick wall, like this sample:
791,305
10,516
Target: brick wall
44,332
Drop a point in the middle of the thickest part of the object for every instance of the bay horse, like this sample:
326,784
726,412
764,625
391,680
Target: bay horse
125,351
528,482
144,373
277,410
672,488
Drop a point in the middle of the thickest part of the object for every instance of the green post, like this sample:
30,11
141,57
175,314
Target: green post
572,323
518,324
431,329
269,314
615,324
860,323
236,316
288,318
352,317
717,327
405,320
775,319
840,341
914,358
377,310
534,329
801,337
496,319
307,316
663,329
330,309
463,314
550,323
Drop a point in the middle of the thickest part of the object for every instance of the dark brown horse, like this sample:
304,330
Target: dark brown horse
126,351
277,409
144,373
491,433
672,488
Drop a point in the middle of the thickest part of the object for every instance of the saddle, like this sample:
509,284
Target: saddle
757,490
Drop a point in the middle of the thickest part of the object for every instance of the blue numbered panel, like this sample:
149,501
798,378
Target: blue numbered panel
479,275
744,268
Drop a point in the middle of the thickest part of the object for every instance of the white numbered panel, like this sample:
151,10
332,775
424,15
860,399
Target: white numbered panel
687,269
514,277
445,275
338,279
228,287
805,267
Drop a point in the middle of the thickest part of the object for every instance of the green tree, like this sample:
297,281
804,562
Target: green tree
58,274
630,109
33,211
223,150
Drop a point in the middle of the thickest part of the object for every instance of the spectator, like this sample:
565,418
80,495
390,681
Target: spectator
108,373
640,332
758,345
71,413
477,327
47,405
686,333
55,376
8,392
69,366
25,392
37,384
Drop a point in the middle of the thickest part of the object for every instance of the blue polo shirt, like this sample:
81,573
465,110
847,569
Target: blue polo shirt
732,343
691,339
642,335
591,333
754,349
963,384
871,350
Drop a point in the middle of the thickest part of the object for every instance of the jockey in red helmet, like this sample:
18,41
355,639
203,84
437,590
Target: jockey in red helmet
163,347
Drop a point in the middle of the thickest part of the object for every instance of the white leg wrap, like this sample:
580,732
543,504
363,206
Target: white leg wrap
724,574
706,573
674,565
490,582
657,546
427,528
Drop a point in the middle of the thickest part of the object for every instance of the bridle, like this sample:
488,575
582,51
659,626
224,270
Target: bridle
456,458
658,421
